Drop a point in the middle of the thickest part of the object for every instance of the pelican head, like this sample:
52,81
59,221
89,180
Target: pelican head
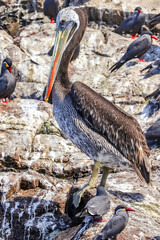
67,23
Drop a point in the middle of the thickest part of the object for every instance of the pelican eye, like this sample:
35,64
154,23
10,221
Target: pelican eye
63,21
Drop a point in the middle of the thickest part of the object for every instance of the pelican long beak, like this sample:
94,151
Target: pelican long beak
63,36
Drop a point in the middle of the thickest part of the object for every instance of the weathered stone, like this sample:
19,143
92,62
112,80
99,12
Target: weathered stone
39,166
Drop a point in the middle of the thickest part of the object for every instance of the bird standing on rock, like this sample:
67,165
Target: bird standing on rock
136,49
133,23
100,129
115,225
7,80
51,8
97,206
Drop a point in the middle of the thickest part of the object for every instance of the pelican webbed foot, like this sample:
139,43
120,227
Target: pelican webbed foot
91,184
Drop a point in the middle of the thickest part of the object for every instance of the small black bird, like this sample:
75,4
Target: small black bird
152,67
133,23
116,224
153,132
154,21
7,80
51,9
136,49
96,206
156,238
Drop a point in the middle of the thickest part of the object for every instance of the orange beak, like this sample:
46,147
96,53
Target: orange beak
63,36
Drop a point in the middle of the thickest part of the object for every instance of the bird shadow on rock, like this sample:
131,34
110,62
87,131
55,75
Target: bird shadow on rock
74,56
153,135
131,63
152,54
35,95
145,76
128,196
153,144
100,54
70,208
153,104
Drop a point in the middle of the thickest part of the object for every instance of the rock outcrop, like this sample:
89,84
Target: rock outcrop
37,163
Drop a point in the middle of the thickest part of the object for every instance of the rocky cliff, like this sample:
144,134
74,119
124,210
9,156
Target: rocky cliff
37,163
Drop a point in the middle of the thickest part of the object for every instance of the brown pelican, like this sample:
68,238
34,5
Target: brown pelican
133,23
7,80
100,129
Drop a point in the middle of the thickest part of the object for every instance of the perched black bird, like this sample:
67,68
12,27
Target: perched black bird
156,238
51,9
97,206
136,49
152,67
133,23
7,80
116,224
154,21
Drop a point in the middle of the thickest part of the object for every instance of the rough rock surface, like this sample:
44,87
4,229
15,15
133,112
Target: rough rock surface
37,163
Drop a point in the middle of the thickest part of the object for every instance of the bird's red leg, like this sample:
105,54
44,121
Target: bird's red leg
134,36
5,101
142,60
95,219
99,220
52,21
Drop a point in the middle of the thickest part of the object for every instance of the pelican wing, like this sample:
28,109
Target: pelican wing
116,126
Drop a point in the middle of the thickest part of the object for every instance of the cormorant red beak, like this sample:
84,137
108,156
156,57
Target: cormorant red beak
130,209
155,38
139,11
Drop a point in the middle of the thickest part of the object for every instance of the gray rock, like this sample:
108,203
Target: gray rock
37,162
